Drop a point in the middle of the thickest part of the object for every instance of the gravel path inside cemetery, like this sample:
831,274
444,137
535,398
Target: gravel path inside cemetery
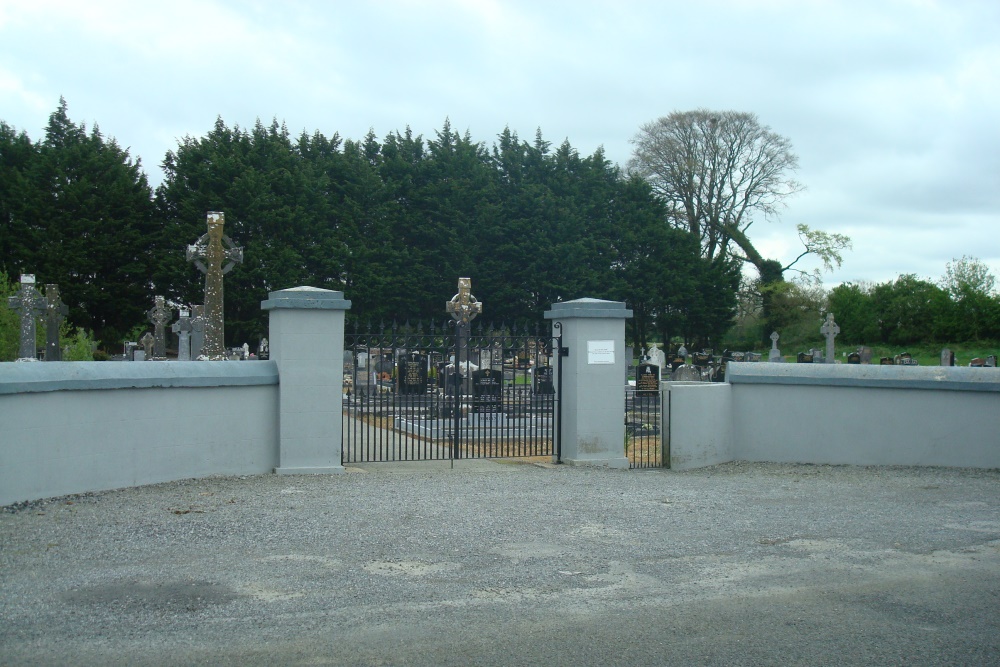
512,564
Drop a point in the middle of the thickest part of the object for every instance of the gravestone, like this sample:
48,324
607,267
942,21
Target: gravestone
130,348
656,356
30,305
55,313
542,379
264,352
774,355
182,327
486,390
147,341
214,254
991,361
830,329
463,308
817,355
804,358
866,354
411,375
947,357
647,380
686,373
978,362
159,315
886,361
197,331
854,358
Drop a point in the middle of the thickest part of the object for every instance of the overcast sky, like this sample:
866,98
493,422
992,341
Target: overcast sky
892,106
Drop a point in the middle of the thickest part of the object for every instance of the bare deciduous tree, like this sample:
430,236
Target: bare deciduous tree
718,171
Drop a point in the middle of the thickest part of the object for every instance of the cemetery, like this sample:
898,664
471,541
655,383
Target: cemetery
314,397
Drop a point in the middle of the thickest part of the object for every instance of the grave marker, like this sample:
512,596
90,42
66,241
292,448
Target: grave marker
159,315
214,254
486,386
147,341
411,375
647,380
30,305
182,327
775,354
830,329
947,357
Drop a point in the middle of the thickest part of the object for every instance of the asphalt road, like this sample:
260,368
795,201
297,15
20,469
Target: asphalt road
502,564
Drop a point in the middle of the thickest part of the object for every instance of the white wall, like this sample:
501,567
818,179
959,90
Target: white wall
698,422
866,415
72,427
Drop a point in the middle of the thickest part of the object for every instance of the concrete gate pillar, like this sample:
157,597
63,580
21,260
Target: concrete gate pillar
592,399
307,344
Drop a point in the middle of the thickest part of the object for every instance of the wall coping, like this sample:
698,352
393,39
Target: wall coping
21,378
308,298
947,378
587,307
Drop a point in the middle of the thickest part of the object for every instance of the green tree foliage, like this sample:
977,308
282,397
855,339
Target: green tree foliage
78,213
392,222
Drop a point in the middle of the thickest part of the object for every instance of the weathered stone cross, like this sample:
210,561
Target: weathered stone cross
182,327
830,330
55,313
27,303
160,315
214,254
463,306
775,353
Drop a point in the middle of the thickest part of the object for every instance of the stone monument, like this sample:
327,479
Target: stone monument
775,354
159,315
148,341
830,331
30,305
463,307
55,313
182,327
214,254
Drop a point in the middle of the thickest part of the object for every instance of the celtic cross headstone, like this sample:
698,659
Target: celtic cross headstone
30,305
775,353
214,254
159,315
830,331
55,313
182,327
464,308
147,341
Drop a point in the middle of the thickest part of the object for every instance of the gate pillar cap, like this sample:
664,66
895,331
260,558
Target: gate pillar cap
305,297
588,307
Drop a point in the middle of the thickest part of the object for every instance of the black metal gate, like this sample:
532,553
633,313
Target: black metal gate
416,394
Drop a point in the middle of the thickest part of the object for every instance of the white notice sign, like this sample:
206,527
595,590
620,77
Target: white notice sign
600,351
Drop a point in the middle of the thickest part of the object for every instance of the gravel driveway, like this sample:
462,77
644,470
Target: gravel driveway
512,564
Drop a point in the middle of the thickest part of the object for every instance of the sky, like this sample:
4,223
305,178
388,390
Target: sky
892,106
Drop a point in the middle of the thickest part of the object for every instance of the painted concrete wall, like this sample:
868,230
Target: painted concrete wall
866,415
698,423
72,427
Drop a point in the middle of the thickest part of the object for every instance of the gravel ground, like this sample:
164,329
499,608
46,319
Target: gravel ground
501,564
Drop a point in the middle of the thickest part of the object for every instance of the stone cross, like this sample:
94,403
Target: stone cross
463,306
27,303
55,313
775,353
214,254
147,342
160,315
182,327
830,330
